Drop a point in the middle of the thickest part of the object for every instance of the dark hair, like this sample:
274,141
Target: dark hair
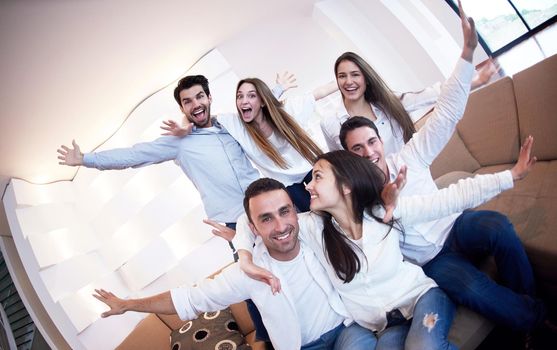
379,94
355,123
282,123
258,187
189,81
366,181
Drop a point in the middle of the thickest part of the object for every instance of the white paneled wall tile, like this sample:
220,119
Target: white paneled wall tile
147,265
73,274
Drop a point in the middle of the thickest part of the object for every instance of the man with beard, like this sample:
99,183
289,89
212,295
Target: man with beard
308,314
213,160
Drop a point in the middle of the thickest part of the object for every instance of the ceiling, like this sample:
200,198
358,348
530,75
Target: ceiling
76,68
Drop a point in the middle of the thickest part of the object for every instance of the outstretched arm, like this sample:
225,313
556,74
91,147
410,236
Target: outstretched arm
160,303
70,156
324,90
467,193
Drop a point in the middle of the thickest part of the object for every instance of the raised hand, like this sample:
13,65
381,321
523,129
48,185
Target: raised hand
525,161
174,129
221,230
287,80
469,33
70,156
390,194
484,74
117,306
258,273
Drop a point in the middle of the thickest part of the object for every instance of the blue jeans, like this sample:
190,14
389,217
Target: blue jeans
428,329
478,234
300,197
353,337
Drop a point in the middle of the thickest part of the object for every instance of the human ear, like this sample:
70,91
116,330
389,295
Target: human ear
346,190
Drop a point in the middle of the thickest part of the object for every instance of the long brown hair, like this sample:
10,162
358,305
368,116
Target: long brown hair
379,94
366,182
282,123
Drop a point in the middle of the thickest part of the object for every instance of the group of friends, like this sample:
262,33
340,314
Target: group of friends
355,248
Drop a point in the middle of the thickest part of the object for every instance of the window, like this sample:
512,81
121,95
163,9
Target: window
502,24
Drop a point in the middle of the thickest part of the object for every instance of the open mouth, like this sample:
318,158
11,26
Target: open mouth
374,160
246,112
199,113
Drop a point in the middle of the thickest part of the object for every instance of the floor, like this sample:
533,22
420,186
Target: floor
522,56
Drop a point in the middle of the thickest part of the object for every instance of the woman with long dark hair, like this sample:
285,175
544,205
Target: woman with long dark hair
352,232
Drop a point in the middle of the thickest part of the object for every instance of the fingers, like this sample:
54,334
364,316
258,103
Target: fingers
388,214
214,224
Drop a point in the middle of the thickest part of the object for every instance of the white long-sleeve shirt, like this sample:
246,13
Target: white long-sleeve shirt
301,109
386,281
423,241
280,312
416,104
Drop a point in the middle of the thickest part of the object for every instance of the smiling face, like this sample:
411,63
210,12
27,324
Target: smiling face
274,218
249,103
351,81
325,194
196,106
364,142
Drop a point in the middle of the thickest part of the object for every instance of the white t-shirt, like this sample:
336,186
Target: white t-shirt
309,298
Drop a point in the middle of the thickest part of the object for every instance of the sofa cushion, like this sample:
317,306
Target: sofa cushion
211,330
150,333
536,93
489,127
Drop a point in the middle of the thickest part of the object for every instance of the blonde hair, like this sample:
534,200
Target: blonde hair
282,123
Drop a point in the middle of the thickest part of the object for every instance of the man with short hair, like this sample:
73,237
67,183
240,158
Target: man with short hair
211,158
307,314
463,237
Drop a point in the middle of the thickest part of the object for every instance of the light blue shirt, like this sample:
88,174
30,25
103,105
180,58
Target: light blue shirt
213,161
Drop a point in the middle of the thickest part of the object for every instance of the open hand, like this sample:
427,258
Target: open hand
287,80
525,161
221,230
116,305
174,129
469,33
70,156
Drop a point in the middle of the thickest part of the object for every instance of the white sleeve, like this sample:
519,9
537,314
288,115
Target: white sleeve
420,102
426,144
244,237
228,287
301,107
465,194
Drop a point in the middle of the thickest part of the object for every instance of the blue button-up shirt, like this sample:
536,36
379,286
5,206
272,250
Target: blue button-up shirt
213,161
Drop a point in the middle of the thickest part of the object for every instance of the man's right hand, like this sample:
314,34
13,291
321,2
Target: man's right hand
70,156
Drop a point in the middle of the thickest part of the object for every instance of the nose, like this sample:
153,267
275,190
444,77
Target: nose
280,225
368,151
308,186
